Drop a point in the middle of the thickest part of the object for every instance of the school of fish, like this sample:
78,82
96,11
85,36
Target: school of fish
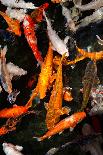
50,78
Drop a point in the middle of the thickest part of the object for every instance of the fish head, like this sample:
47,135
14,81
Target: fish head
12,96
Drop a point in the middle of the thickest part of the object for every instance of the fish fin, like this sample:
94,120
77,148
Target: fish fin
19,148
71,129
37,138
53,48
46,105
15,105
60,132
100,41
66,110
8,29
3,52
66,39
11,76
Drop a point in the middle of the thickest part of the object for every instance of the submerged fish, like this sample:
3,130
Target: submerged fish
44,77
69,122
29,31
20,4
57,43
11,149
90,78
54,107
6,79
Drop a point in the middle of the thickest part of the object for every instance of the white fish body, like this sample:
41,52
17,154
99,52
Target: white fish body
15,70
15,13
57,43
10,149
20,4
67,15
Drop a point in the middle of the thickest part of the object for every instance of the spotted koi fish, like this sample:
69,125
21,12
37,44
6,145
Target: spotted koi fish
14,25
69,122
29,31
92,55
54,107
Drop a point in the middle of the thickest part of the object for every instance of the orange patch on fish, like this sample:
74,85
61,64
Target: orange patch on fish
14,25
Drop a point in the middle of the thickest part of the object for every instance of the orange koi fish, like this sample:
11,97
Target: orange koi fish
37,15
91,55
15,111
69,122
44,77
29,31
54,107
14,25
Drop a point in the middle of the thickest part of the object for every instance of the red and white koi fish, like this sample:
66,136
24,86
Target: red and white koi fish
57,43
29,31
69,122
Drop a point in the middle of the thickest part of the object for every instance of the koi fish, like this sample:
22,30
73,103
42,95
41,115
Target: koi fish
11,149
21,4
92,5
54,107
29,31
90,78
37,15
15,111
67,15
44,77
57,43
6,79
14,25
91,55
69,122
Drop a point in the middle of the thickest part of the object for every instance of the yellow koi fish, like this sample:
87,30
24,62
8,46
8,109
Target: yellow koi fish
54,107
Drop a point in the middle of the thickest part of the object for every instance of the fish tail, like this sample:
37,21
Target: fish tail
38,139
3,52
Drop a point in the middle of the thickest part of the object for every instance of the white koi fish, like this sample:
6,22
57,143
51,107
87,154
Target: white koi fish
57,43
10,149
6,79
20,4
67,15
